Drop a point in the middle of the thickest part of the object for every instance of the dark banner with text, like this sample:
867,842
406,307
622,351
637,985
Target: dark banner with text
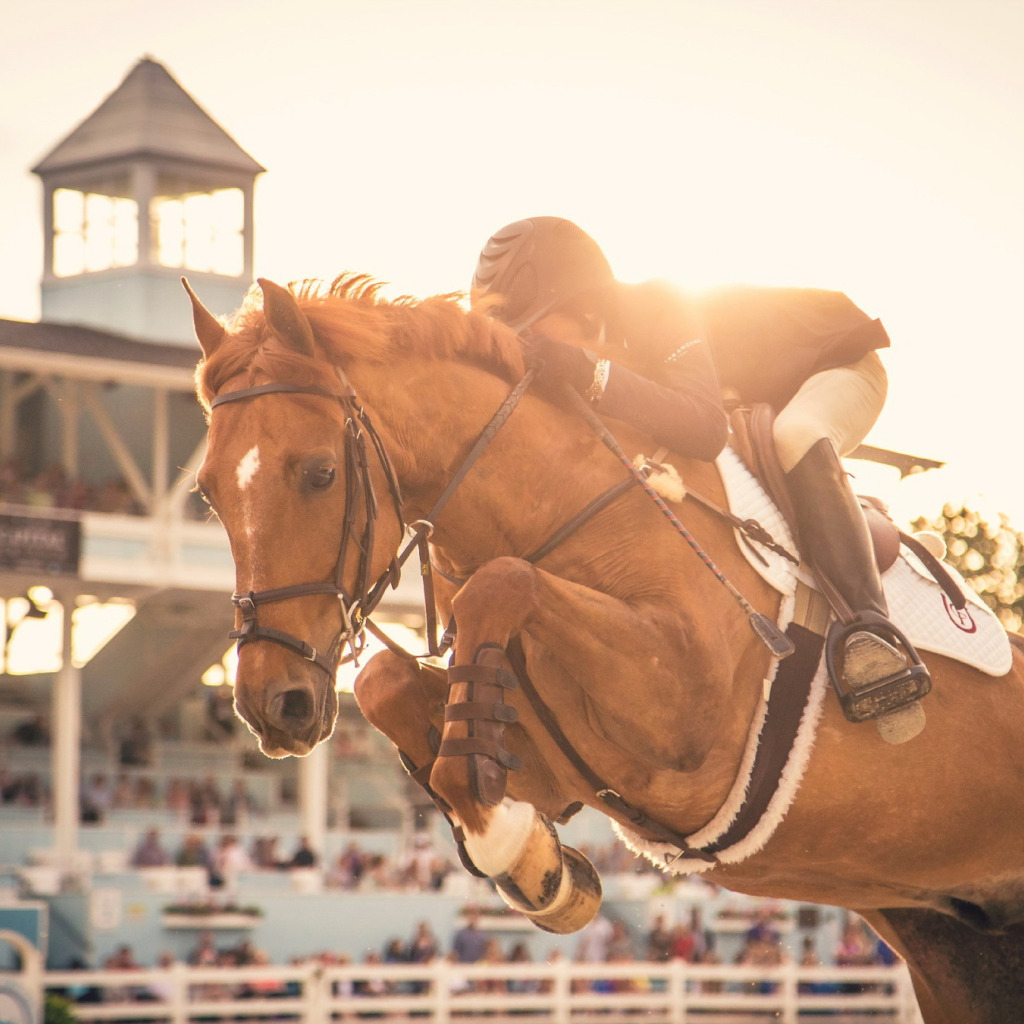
49,546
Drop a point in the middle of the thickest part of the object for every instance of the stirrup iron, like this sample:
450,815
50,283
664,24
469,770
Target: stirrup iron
891,674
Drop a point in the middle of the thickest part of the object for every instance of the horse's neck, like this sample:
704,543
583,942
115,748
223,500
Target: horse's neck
541,469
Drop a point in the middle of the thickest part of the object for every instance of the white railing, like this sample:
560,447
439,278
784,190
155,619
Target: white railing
443,992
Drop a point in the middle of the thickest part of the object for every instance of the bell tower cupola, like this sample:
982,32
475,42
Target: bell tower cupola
147,189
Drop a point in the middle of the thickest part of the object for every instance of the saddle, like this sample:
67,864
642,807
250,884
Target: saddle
754,443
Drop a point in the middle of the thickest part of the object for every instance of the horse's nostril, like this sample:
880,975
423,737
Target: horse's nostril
295,705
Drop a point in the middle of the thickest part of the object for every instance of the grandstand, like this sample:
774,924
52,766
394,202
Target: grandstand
116,733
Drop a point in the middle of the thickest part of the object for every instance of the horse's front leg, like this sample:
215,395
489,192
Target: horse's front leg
508,840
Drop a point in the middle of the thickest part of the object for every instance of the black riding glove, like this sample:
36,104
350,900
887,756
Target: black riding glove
560,362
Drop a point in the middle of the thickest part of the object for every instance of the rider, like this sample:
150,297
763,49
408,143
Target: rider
648,355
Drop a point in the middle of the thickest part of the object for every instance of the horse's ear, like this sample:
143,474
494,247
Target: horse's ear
286,320
209,330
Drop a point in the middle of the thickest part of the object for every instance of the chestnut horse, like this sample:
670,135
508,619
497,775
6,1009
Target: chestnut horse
338,421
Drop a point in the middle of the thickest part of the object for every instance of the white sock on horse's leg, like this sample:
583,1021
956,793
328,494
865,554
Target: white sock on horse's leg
500,848
521,853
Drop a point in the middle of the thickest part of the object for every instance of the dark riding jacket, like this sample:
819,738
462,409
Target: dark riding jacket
675,352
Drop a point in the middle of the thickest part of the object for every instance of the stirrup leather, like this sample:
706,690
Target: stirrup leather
889,672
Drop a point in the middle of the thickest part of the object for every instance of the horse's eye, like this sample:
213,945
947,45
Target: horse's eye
321,477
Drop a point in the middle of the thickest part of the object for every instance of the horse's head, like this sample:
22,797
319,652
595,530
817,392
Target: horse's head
288,472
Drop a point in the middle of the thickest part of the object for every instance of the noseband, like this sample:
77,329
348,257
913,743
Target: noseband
359,491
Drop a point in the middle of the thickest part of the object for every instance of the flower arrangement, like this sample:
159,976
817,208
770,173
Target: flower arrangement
210,909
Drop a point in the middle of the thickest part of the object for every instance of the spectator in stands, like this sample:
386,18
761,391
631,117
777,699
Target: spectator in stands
150,853
44,487
620,945
469,941
349,867
246,953
229,859
204,953
25,790
519,954
659,941
114,496
595,941
423,946
376,873
136,744
764,928
684,943
709,955
237,805
264,988
762,948
809,953
264,853
857,946
220,713
124,792
204,799
123,959
12,482
395,952
419,864
492,956
193,853
370,984
304,857
33,732
177,797
96,797
10,787
162,991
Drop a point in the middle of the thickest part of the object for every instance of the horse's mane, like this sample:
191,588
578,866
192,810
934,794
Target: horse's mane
350,319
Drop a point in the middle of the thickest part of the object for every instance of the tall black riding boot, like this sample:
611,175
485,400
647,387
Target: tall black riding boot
873,665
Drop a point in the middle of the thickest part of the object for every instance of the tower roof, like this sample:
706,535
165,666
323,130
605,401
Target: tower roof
148,114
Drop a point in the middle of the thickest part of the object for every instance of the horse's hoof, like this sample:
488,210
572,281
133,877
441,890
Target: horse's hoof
578,899
901,725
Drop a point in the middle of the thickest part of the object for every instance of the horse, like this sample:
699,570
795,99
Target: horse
595,661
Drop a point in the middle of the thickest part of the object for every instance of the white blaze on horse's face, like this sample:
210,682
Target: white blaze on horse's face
247,466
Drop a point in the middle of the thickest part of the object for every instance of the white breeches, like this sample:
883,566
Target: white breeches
841,404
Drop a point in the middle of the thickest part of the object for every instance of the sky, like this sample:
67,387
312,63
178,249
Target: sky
875,147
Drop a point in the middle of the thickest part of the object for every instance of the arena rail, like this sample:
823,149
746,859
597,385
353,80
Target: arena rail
443,992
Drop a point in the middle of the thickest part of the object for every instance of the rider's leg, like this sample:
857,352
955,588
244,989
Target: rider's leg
829,416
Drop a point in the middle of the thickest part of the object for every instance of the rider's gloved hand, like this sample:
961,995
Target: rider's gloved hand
560,362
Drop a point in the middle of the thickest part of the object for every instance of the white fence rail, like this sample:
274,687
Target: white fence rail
442,992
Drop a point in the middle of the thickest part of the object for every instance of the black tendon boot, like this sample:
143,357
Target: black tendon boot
873,666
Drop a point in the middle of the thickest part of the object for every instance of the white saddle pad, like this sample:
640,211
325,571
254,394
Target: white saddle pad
917,604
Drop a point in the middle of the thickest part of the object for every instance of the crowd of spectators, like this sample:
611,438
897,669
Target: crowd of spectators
605,940
52,487
198,801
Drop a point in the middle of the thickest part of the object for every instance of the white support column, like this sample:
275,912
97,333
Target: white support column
313,775
66,742
161,448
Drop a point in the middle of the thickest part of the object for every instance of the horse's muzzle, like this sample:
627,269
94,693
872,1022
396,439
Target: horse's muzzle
288,717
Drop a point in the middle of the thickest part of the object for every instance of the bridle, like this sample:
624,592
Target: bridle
359,492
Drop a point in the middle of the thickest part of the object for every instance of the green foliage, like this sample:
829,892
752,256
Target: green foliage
989,556
58,1010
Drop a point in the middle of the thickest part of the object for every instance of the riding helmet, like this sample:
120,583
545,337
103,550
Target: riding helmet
536,265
